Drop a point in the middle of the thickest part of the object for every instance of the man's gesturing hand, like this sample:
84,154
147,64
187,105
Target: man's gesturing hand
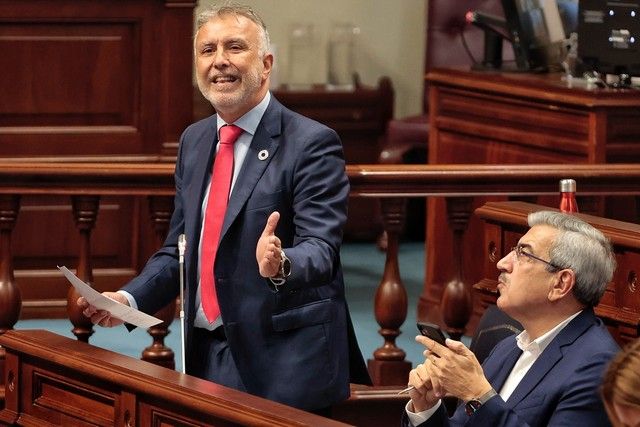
268,248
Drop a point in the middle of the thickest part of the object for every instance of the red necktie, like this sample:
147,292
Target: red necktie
214,217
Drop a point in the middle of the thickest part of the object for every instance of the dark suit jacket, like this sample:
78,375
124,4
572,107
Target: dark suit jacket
290,346
561,388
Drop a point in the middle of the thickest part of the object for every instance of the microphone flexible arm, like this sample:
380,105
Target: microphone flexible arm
493,38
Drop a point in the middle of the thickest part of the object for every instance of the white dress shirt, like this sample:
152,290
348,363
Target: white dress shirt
531,350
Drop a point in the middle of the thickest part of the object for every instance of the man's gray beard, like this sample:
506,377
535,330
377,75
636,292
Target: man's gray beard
253,83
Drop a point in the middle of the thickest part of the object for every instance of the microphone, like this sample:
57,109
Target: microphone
490,25
483,19
182,245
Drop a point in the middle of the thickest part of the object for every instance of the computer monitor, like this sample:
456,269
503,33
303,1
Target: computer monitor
537,32
569,10
609,36
536,29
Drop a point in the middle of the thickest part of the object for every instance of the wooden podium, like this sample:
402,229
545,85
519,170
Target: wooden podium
516,118
54,380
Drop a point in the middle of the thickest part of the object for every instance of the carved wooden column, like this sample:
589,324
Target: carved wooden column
85,212
10,299
388,366
457,303
161,208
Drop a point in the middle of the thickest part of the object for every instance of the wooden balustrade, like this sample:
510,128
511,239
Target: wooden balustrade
89,179
160,209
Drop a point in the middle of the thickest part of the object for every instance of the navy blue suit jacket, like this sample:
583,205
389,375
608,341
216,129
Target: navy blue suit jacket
561,388
290,346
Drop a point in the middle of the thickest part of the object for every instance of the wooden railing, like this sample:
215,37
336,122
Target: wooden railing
85,180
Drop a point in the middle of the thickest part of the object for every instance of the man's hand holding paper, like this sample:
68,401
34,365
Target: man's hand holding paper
102,317
108,308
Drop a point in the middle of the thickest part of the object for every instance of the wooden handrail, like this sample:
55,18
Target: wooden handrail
144,178
468,180
77,178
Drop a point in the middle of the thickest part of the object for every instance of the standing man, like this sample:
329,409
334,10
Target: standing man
261,195
549,374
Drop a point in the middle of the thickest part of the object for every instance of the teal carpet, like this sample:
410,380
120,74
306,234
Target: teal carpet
363,265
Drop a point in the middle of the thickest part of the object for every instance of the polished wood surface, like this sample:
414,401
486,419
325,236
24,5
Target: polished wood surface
506,222
99,77
507,118
90,78
54,380
154,176
513,117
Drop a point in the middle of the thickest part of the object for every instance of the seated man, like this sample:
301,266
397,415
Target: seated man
549,374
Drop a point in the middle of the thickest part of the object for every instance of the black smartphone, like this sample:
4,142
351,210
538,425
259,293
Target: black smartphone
432,331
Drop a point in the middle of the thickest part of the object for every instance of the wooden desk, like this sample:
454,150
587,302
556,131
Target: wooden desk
506,222
491,117
503,118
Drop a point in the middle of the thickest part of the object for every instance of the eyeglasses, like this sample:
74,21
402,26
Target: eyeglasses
520,252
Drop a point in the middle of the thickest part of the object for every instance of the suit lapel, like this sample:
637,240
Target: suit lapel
551,355
497,372
203,152
547,360
253,167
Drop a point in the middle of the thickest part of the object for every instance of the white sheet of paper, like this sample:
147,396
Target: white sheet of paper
121,311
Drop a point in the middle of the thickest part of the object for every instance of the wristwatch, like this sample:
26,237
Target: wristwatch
474,404
285,266
284,272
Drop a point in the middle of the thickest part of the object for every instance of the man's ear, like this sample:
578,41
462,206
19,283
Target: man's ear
267,63
565,280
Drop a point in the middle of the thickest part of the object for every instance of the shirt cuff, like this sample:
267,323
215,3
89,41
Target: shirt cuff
129,297
417,418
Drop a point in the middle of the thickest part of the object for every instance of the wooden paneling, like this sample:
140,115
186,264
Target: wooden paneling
90,78
511,121
70,59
